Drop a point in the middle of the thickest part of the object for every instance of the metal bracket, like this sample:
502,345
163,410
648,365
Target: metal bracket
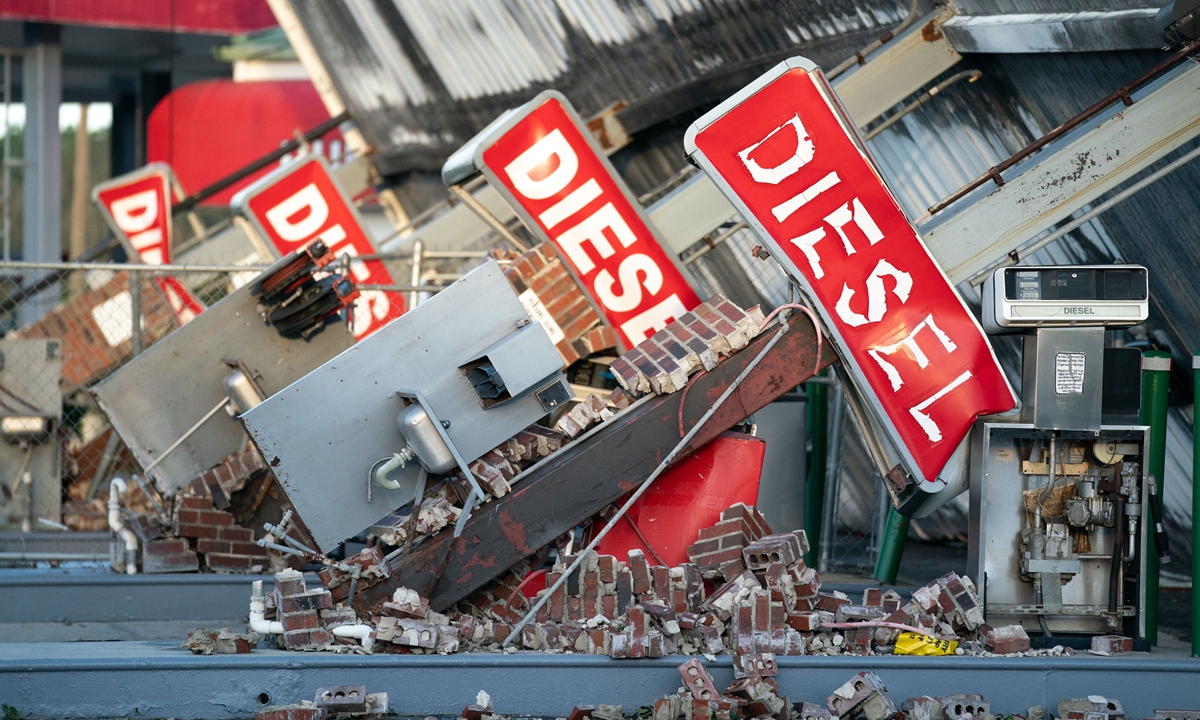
476,491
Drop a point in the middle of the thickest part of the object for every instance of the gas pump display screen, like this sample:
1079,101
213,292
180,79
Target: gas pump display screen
1075,283
1065,296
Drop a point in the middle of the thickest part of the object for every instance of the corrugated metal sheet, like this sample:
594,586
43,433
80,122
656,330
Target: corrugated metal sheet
423,76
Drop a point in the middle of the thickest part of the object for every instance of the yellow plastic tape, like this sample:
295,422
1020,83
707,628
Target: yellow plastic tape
913,644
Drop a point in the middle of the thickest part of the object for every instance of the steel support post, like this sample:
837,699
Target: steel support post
1195,506
833,459
814,479
41,236
891,548
1156,377
135,314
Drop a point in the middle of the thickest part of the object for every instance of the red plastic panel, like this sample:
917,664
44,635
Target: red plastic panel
691,496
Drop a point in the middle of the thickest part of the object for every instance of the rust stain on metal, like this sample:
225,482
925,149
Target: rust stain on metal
514,531
476,561
932,32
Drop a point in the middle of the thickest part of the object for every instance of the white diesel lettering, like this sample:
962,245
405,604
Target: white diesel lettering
628,274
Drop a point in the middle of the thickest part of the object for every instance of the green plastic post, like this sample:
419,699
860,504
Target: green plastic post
891,548
1156,375
1195,506
817,422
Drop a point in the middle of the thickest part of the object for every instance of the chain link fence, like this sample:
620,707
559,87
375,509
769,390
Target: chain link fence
66,328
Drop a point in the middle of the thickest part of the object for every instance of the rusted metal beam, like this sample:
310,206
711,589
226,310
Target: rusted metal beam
575,484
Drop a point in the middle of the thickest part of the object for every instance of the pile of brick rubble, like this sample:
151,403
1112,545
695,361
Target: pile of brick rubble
746,591
754,693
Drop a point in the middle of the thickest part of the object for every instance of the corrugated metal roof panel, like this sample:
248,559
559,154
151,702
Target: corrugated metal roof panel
423,76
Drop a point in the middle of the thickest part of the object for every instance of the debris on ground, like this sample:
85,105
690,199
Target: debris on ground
221,642
747,592
753,694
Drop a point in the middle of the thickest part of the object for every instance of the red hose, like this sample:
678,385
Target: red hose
523,583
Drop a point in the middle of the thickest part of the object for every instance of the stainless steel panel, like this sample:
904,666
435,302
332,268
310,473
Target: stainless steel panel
1062,378
323,434
785,464
514,356
157,396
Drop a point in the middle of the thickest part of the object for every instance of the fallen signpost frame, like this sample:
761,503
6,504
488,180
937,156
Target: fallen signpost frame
584,477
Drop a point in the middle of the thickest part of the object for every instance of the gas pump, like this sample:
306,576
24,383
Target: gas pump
1060,497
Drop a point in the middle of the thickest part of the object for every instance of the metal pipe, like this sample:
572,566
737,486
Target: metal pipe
1195,503
264,543
1052,468
415,277
412,290
52,556
1123,94
7,156
135,315
26,479
487,216
891,548
1024,251
832,465
186,435
281,533
817,422
922,99
712,245
191,201
683,442
1156,380
429,212
50,279
860,57
131,267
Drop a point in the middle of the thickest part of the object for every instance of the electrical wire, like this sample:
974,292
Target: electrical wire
653,553
811,316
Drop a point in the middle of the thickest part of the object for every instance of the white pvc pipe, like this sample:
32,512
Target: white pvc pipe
258,613
115,488
360,632
262,626
397,460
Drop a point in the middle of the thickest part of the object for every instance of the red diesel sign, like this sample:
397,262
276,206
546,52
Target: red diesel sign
786,154
137,206
545,162
300,203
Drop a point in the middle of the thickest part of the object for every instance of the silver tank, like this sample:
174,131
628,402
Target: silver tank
241,391
418,431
